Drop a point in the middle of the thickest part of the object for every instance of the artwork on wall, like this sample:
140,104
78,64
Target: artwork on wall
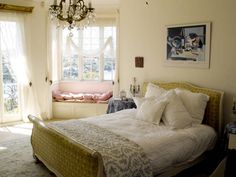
188,45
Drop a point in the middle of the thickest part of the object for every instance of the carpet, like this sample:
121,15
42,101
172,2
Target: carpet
16,159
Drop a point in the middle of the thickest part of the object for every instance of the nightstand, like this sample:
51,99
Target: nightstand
116,104
227,165
232,141
230,136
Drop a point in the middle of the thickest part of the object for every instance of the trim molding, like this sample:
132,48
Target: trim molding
16,8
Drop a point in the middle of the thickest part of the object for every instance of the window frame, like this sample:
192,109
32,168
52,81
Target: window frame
101,58
4,116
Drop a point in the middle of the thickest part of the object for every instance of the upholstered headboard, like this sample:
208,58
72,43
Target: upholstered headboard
213,113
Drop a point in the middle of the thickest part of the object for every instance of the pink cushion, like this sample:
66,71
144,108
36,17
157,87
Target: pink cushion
105,96
57,95
78,96
67,96
88,96
81,97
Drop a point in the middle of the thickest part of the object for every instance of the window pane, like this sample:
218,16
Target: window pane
70,68
90,68
10,88
9,82
91,38
109,53
109,69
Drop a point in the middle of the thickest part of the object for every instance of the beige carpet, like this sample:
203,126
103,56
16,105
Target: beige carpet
16,153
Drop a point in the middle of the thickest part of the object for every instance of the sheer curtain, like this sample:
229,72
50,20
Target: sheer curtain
13,38
54,55
116,85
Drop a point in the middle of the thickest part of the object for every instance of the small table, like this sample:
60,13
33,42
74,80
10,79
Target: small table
230,129
116,104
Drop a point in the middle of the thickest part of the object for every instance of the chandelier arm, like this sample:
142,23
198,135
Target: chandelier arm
76,11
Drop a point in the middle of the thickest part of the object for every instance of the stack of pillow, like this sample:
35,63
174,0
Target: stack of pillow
177,108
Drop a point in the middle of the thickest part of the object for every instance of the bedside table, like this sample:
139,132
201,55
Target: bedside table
229,134
232,141
116,104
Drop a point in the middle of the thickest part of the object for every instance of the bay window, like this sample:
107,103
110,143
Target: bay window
89,55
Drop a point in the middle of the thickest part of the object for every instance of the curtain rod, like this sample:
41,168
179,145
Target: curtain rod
15,8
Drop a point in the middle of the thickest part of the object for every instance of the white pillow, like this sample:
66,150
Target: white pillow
154,91
139,100
175,114
151,110
195,103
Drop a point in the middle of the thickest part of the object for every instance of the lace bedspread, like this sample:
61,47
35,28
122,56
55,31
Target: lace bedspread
121,157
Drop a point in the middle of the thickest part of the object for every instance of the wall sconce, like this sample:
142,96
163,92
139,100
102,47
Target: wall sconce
139,62
134,89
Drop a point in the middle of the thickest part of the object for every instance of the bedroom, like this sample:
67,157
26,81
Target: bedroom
142,33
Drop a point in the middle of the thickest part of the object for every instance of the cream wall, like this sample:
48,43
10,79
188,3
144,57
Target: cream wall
142,33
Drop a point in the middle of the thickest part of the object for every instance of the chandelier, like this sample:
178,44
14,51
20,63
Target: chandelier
72,13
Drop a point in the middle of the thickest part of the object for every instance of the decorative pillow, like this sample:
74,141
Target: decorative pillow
154,91
139,100
67,96
57,95
195,103
175,114
88,96
151,110
78,96
102,96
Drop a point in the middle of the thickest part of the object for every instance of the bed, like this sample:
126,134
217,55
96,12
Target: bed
67,154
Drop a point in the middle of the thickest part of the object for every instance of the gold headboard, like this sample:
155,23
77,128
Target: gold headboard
213,113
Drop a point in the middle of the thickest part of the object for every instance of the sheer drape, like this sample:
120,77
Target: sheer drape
116,84
71,46
14,40
54,53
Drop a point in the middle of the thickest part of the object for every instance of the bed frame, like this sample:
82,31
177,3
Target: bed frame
65,157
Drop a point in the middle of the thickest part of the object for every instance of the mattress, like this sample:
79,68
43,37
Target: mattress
163,146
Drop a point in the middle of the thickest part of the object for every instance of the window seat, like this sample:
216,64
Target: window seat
61,96
80,99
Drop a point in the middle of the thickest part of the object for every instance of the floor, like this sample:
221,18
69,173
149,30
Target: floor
11,132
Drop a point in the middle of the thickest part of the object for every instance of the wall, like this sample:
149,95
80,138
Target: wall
142,33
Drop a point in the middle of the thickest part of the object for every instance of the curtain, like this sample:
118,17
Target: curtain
70,46
12,34
116,85
54,53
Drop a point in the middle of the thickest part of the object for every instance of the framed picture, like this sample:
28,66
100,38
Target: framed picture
188,45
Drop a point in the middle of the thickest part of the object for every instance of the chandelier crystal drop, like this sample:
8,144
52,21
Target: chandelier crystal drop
72,13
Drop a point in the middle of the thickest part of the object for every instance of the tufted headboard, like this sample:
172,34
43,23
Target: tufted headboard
213,112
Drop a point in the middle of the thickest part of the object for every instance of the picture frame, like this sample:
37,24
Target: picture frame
188,45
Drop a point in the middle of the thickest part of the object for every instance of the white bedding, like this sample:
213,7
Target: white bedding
163,146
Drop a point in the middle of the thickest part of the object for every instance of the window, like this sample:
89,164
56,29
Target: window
94,57
9,87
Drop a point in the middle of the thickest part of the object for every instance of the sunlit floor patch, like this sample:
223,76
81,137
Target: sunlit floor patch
19,129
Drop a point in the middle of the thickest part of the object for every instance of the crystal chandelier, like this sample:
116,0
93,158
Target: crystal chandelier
72,13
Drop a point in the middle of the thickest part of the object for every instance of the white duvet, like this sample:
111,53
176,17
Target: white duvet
163,146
